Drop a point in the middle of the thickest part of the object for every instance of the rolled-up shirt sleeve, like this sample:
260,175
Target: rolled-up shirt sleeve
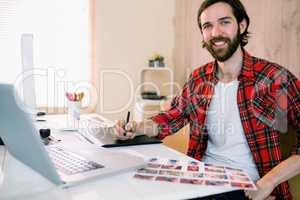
294,106
172,120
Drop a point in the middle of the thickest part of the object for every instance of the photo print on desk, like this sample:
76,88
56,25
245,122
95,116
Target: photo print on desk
192,181
175,171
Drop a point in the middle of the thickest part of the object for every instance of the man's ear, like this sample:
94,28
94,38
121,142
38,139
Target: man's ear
243,25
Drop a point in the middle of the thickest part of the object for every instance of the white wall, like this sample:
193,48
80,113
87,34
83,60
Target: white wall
128,32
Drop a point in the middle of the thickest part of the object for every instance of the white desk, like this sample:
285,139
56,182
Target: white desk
21,182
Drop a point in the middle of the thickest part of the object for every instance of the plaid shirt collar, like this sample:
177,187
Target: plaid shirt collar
247,71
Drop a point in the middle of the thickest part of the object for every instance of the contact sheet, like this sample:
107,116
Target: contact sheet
195,173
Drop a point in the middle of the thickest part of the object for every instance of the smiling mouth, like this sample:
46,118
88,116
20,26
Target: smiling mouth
219,44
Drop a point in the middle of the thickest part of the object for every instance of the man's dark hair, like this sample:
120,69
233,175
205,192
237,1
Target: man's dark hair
239,12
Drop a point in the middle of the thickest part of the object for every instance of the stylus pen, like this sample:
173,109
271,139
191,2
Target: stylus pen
127,121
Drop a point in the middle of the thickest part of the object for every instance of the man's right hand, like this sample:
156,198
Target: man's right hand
123,131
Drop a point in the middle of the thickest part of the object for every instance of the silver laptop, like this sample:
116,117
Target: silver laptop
61,166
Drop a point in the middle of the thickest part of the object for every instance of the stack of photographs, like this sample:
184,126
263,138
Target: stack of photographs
195,173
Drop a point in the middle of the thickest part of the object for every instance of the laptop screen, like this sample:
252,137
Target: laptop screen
21,137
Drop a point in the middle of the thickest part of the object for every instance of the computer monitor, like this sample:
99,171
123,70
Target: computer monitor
28,83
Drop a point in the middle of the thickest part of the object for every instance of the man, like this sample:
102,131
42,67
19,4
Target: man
236,106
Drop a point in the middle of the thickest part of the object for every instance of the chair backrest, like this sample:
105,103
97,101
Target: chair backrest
288,141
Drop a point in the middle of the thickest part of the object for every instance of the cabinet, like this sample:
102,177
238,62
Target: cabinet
159,80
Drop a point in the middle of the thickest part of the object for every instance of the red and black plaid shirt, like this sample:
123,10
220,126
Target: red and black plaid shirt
268,99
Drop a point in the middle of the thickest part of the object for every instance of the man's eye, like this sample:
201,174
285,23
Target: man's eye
225,22
206,26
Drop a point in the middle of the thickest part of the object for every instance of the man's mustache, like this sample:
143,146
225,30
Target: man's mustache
219,39
213,40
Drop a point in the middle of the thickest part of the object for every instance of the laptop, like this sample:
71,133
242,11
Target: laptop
24,143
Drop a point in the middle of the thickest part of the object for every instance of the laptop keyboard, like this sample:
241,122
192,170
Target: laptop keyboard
70,163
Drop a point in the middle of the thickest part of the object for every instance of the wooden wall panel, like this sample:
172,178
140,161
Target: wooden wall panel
291,35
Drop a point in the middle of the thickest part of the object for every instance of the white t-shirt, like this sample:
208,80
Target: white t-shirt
227,144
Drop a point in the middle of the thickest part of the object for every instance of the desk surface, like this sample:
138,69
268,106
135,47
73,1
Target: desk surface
21,182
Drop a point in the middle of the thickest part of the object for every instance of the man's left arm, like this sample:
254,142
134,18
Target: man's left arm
290,167
281,173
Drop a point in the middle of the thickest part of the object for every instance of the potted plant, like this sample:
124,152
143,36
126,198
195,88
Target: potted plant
156,61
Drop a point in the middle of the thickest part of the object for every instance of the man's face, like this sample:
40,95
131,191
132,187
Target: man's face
220,31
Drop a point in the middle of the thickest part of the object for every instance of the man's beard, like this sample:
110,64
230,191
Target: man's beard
222,54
